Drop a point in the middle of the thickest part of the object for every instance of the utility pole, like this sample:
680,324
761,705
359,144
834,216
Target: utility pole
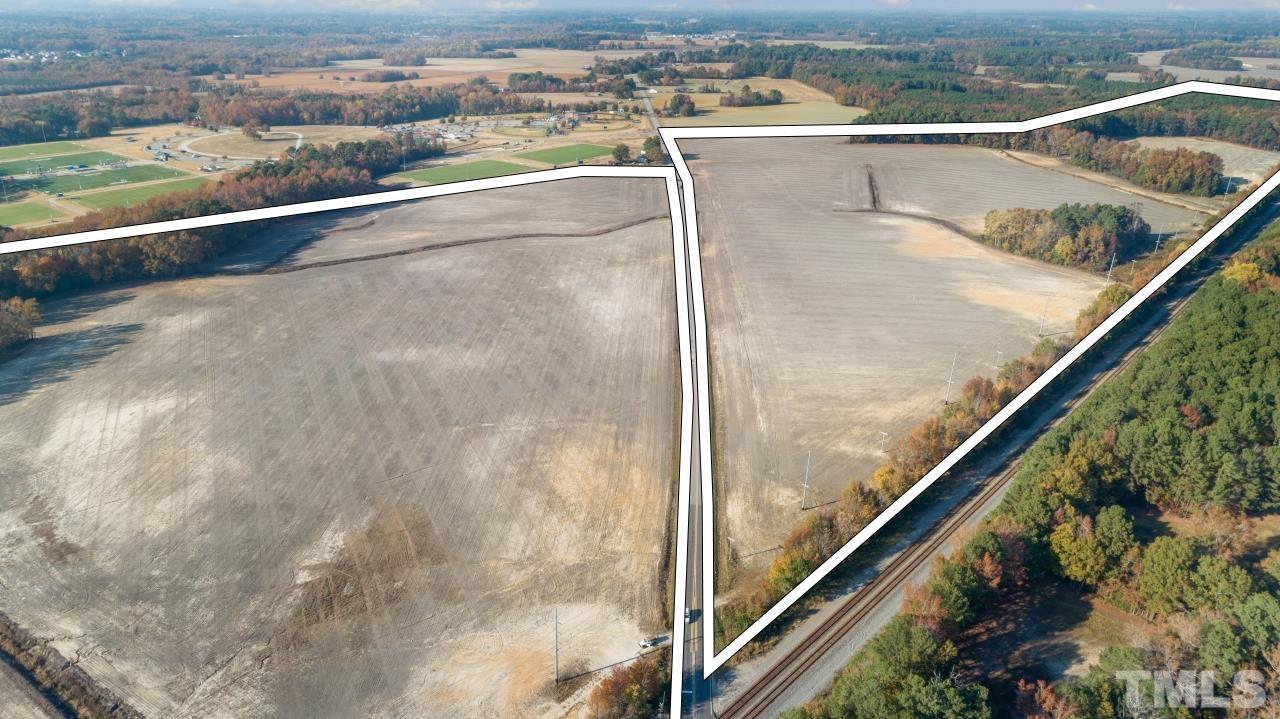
996,366
1112,267
804,496
883,437
1044,314
557,622
951,378
1159,236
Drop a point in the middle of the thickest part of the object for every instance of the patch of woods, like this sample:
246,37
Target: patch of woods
18,319
1201,60
746,97
1074,234
681,105
314,172
62,682
1190,430
538,81
1178,170
636,690
389,76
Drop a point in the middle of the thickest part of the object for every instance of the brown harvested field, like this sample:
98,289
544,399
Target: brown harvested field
235,145
1239,161
830,323
437,71
357,489
802,105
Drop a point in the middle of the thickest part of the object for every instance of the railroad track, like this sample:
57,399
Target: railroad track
759,698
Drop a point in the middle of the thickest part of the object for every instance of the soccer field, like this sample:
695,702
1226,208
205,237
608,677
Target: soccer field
135,195
91,180
41,149
477,170
566,154
93,157
23,212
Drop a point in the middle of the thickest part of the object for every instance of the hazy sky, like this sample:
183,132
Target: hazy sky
454,6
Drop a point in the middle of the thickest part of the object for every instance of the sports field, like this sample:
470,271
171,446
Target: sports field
477,170
24,212
93,157
91,180
566,154
39,149
140,193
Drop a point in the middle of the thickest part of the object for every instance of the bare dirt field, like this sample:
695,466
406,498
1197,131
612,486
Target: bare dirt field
363,488
831,324
1258,68
437,71
802,105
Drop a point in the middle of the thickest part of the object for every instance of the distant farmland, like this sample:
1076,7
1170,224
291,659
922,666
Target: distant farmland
104,178
358,489
566,154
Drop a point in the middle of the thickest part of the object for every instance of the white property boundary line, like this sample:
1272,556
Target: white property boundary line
678,253
670,136
688,279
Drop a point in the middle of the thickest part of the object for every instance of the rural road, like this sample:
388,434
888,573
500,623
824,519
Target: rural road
696,699
804,662
648,111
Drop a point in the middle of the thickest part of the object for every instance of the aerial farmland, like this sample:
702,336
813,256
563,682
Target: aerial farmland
382,472
841,292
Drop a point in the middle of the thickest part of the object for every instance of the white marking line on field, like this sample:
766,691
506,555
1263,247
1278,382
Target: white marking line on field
679,270
713,661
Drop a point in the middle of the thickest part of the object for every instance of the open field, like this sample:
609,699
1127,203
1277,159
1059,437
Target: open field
477,170
19,167
1239,161
437,71
42,149
234,143
22,213
361,489
566,153
802,105
137,193
105,178
831,323
1254,68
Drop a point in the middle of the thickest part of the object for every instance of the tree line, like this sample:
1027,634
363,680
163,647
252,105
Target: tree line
314,172
746,97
